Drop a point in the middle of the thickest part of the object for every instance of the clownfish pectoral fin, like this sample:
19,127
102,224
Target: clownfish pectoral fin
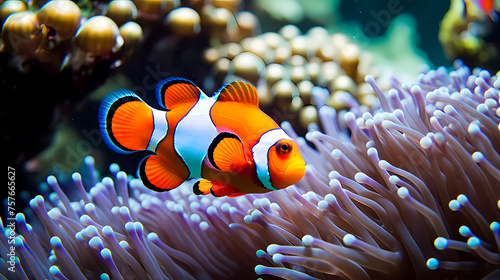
128,124
173,91
227,153
223,190
236,194
239,91
202,187
156,174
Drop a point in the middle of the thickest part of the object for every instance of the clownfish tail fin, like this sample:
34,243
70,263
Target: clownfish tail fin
128,124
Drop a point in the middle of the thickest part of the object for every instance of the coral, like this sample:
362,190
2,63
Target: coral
42,33
183,21
411,191
66,49
287,64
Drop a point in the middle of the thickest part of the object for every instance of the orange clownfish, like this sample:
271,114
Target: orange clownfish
225,141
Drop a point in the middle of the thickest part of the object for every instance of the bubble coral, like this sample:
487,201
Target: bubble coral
294,63
153,9
46,38
98,35
62,16
183,21
9,7
20,35
230,5
121,11
132,35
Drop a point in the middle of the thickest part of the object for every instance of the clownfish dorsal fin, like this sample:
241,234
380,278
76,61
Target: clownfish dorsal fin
239,91
174,91
226,153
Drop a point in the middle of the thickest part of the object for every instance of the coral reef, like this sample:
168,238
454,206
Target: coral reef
58,34
409,188
53,35
67,49
286,65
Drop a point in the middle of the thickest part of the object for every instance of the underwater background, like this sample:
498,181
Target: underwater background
394,104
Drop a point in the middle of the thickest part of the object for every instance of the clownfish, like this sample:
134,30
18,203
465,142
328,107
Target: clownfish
225,142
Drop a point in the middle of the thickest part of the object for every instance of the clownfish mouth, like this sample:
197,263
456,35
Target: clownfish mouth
295,171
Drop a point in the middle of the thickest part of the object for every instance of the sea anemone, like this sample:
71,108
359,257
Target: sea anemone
119,229
412,192
408,189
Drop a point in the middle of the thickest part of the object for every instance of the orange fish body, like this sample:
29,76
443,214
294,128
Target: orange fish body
225,141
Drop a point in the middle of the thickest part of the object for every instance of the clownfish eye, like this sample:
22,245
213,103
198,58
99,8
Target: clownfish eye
283,147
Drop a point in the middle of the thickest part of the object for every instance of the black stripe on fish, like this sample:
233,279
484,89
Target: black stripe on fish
144,177
109,118
196,188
